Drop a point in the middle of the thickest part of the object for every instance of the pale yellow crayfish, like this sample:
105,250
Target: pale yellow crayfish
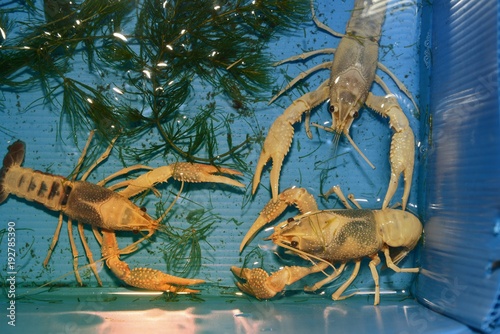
352,73
104,209
326,237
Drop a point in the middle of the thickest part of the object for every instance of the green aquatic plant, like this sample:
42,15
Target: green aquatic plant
183,251
145,59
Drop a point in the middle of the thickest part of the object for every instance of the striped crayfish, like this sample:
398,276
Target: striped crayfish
105,209
326,237
352,73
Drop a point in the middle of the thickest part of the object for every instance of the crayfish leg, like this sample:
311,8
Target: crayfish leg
336,273
74,252
337,295
55,238
373,268
88,253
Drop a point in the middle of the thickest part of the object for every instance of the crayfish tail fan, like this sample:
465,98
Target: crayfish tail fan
14,157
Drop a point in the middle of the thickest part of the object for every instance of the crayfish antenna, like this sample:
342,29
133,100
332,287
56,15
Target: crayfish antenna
158,221
336,140
358,150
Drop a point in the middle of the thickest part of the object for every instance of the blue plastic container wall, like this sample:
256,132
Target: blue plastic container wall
460,273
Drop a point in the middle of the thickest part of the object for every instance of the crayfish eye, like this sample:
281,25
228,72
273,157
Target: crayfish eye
355,114
294,244
331,109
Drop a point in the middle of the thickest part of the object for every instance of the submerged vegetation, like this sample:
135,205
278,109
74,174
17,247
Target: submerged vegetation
183,250
168,76
149,63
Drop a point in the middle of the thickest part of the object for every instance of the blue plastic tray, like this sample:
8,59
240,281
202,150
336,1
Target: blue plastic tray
455,43
460,276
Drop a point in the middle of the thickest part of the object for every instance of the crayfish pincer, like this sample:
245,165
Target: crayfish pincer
327,237
105,209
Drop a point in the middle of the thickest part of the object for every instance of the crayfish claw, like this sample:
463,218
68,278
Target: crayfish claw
257,282
143,278
151,279
275,148
180,171
299,197
196,173
261,285
280,136
402,152
402,155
